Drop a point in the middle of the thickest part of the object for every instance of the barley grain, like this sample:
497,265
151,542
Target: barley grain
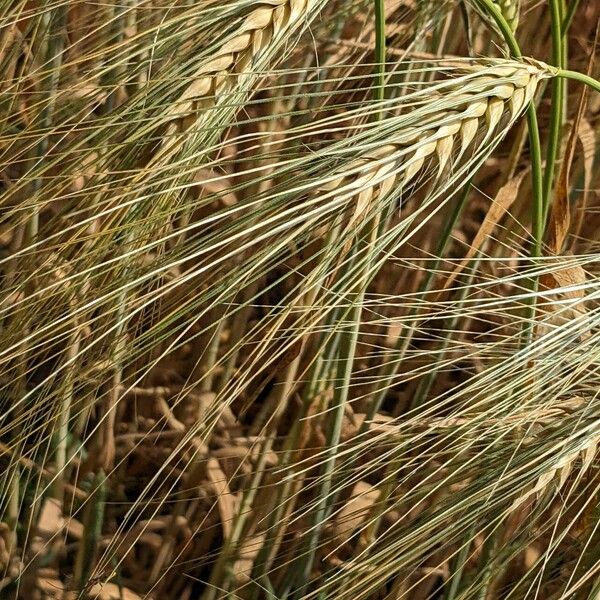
559,472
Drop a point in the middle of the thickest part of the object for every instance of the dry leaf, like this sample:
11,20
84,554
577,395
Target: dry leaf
52,587
111,591
500,205
587,137
560,218
556,305
355,511
247,555
51,519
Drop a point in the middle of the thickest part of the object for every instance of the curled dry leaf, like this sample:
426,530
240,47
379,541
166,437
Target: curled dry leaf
111,591
569,300
587,137
225,499
500,206
560,214
355,512
246,557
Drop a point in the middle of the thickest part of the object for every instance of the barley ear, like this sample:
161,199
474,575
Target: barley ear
235,65
445,136
510,11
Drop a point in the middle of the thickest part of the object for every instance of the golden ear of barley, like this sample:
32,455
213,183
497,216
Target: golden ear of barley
506,88
558,473
235,63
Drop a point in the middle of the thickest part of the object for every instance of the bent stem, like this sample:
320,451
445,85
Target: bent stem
580,77
537,216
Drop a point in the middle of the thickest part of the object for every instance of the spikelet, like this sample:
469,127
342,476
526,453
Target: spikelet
510,11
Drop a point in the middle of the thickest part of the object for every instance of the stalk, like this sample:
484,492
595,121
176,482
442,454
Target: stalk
557,113
568,19
208,371
538,204
580,77
93,519
107,450
286,496
459,562
54,26
53,22
347,351
488,551
12,509
65,412
534,132
425,385
348,341
221,574
391,367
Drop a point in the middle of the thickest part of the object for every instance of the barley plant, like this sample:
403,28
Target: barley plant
299,299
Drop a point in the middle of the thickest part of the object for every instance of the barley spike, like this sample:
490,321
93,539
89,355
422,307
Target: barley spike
505,89
234,66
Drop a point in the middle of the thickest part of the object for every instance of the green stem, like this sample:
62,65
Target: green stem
345,358
348,339
87,552
556,108
568,20
65,412
380,51
536,159
459,563
536,174
534,132
581,77
286,496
